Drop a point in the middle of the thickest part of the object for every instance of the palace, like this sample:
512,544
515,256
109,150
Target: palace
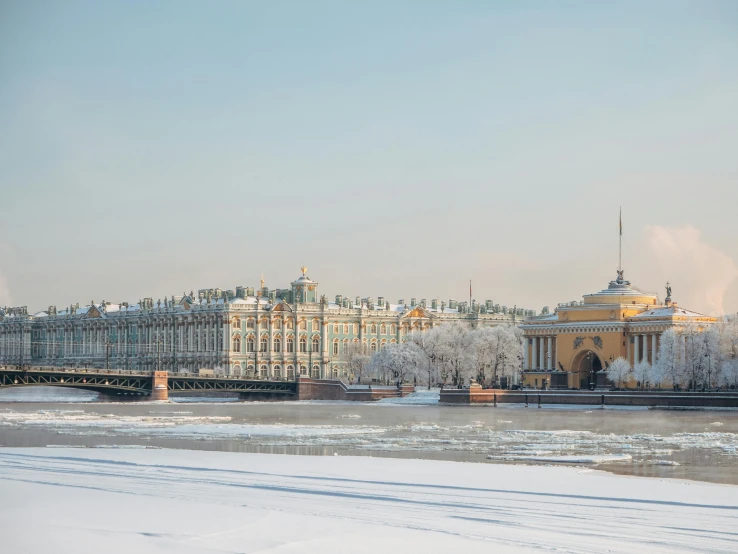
269,333
569,348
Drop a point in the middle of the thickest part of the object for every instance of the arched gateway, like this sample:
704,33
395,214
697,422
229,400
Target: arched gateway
585,366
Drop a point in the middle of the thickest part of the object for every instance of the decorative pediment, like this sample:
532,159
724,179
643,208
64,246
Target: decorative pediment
281,307
418,312
93,313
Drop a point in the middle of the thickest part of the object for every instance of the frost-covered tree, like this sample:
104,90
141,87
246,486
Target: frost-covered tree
618,371
728,331
642,372
495,352
455,345
431,347
702,355
400,361
712,356
668,363
357,356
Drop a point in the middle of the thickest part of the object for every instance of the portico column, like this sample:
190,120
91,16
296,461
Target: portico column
654,338
636,353
534,353
541,364
550,355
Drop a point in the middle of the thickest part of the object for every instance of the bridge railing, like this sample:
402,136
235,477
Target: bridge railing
97,371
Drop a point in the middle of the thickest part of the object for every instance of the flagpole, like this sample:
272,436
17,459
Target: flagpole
470,296
620,245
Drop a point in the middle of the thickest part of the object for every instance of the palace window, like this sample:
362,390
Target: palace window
303,344
316,325
374,346
373,329
237,344
250,323
290,324
316,371
264,344
264,323
264,371
316,344
383,329
290,345
277,344
335,347
303,325
277,371
356,328
393,329
335,328
277,324
345,329
250,344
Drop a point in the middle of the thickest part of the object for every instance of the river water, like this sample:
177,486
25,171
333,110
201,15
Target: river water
698,445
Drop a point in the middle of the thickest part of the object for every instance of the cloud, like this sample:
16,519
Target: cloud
700,273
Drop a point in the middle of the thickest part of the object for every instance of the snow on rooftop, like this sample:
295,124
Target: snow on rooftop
669,311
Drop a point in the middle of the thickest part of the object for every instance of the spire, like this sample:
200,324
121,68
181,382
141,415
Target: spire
620,246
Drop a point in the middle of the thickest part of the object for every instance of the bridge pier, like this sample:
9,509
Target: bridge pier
160,386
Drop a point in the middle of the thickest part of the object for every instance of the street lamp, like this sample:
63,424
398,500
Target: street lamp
591,370
709,370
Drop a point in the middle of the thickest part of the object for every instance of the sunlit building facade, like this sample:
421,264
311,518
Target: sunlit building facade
246,332
571,347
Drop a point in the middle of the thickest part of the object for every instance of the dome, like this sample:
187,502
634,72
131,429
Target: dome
620,291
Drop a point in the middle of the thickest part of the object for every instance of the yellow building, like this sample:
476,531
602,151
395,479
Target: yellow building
569,348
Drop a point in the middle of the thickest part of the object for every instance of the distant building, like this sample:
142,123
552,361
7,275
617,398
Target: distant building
569,347
270,333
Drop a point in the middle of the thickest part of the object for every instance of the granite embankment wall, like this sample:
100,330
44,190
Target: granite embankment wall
587,398
326,389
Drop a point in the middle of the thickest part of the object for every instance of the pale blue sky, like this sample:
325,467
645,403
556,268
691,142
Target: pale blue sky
397,150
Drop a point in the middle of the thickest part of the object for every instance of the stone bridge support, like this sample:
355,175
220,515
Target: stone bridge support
159,386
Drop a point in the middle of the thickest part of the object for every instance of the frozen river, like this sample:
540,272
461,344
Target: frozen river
698,445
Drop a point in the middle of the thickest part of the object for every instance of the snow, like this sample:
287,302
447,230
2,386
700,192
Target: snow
152,501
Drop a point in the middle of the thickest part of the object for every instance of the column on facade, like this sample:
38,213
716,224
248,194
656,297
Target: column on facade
541,348
549,358
636,349
654,350
225,343
534,353
644,344
324,346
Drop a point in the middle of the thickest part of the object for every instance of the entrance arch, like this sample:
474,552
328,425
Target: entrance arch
585,366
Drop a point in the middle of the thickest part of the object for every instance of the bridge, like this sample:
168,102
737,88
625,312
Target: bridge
128,385
143,386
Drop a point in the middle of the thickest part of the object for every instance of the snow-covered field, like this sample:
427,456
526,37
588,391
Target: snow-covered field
126,500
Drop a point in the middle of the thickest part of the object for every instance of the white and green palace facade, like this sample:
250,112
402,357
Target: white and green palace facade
270,333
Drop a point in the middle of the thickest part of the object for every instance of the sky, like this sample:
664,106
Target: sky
397,149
